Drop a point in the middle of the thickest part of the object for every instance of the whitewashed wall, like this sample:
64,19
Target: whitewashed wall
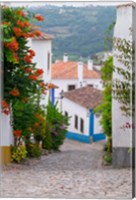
121,138
42,48
6,138
97,127
75,109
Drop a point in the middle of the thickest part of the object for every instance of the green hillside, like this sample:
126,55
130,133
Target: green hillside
77,31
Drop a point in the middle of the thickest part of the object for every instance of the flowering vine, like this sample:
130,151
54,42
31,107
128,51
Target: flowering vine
22,80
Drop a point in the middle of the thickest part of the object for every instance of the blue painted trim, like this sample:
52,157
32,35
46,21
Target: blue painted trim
91,123
53,96
78,137
99,136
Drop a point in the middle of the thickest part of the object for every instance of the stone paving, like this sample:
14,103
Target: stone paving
75,172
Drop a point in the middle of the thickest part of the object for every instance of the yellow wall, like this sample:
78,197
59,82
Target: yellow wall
5,155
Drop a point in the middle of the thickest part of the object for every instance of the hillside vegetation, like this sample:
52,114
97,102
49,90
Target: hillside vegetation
77,31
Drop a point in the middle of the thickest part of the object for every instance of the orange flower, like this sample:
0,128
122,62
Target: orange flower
22,24
44,92
21,13
28,69
33,77
13,45
28,58
17,133
28,35
15,57
50,86
39,72
5,104
6,107
14,92
17,31
6,23
42,84
37,33
39,17
32,53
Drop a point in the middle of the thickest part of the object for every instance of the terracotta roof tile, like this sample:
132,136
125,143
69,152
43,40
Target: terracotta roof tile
69,70
87,97
44,36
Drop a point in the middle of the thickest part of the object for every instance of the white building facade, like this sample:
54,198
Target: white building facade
84,123
69,75
121,138
42,46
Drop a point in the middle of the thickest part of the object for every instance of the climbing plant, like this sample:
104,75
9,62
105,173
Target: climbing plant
123,86
105,108
22,80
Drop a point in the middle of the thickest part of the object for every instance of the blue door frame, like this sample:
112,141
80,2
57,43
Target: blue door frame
94,136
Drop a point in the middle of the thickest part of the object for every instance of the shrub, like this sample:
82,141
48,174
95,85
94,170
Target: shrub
33,150
106,106
19,153
47,139
38,127
57,126
107,158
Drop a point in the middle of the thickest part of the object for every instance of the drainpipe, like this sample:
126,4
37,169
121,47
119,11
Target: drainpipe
91,125
53,96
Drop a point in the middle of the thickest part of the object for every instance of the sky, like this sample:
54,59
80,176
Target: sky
68,3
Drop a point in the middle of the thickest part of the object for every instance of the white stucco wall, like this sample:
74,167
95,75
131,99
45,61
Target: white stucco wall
42,48
97,127
75,109
120,137
6,137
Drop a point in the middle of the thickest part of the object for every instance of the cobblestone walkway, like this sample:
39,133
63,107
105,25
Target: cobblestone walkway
75,172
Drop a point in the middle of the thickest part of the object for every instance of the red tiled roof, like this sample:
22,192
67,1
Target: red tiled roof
52,85
44,36
69,70
87,97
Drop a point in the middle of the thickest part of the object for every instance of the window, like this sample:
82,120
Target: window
76,121
48,61
82,125
97,115
90,85
71,87
66,113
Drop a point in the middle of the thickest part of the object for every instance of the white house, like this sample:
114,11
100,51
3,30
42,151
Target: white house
42,45
79,104
122,139
69,75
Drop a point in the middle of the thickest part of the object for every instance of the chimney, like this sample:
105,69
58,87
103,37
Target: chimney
65,57
80,71
90,64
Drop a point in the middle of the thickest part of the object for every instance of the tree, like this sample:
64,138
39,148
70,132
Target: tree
105,108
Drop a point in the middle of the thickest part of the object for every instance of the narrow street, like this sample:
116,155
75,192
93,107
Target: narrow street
75,172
